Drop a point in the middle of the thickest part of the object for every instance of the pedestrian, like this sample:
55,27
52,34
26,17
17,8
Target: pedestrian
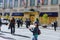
18,22
21,22
55,25
9,23
36,31
37,21
27,23
52,24
0,24
12,25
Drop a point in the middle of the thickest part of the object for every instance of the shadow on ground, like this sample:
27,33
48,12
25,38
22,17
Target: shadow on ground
16,34
7,38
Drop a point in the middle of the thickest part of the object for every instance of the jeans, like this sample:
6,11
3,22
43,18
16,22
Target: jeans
12,30
35,37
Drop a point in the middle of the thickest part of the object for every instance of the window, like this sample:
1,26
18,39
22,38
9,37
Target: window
26,3
22,3
54,2
1,3
38,2
15,3
32,2
5,3
45,2
10,3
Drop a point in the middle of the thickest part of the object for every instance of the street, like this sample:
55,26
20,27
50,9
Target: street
23,33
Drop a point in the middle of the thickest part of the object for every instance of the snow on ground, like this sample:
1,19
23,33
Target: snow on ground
24,34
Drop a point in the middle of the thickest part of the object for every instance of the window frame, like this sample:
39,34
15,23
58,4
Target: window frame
56,2
32,3
15,3
45,2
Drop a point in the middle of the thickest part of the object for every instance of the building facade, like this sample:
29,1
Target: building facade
21,8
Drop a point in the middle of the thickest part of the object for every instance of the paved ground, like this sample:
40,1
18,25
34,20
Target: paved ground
25,34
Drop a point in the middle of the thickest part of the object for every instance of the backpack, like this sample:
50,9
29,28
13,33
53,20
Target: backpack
39,32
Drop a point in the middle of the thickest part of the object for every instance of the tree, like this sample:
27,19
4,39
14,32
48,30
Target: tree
45,18
7,16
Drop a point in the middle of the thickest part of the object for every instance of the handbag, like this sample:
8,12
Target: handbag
39,32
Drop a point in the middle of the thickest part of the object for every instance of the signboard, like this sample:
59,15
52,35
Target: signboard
6,14
17,14
50,14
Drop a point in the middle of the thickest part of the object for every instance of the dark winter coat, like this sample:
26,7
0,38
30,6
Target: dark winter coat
28,22
55,24
35,31
12,23
18,21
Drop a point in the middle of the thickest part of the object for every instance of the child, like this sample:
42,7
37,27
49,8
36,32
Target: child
35,32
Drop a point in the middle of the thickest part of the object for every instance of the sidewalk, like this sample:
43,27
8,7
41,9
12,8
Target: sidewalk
49,27
58,28
24,34
1,38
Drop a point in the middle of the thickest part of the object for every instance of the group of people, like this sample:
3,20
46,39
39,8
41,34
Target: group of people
36,31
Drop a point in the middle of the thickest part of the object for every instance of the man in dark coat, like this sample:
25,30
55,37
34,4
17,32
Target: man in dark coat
18,22
55,25
27,22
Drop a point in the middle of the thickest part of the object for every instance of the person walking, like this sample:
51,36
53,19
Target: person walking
55,25
21,22
27,22
18,22
36,31
12,25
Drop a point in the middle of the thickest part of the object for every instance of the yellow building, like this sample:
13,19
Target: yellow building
21,9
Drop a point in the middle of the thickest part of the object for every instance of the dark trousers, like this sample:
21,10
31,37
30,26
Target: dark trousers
21,24
12,30
55,28
27,26
18,25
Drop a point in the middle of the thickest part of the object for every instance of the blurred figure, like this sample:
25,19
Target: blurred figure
12,25
37,21
55,25
0,24
21,22
35,32
27,22
52,24
18,22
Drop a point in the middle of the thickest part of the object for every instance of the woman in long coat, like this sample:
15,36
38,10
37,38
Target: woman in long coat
12,26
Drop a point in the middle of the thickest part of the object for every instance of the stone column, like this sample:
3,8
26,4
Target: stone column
59,17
